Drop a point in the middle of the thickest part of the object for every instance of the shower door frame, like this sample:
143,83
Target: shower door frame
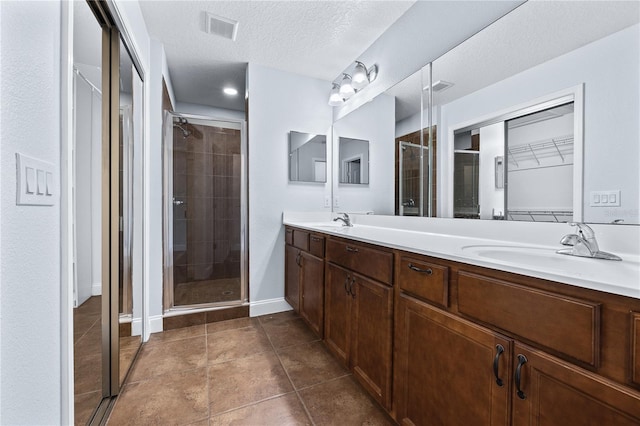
167,217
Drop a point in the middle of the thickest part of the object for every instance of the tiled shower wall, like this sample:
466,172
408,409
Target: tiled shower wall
206,177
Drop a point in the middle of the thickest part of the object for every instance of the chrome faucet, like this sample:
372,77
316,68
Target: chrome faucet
346,219
584,244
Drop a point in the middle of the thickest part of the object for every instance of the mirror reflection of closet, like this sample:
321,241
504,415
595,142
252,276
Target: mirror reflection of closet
87,224
354,161
107,316
129,279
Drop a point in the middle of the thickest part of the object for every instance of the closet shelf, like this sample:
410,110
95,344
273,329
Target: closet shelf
558,215
561,146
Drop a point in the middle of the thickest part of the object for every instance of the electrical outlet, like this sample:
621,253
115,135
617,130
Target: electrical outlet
335,202
327,201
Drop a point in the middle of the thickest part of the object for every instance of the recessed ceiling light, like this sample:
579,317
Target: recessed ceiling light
230,91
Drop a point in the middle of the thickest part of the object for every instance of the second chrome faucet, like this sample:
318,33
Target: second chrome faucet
584,244
345,219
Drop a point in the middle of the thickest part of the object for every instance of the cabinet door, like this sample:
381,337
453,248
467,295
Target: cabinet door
312,289
371,350
444,373
337,312
557,393
292,277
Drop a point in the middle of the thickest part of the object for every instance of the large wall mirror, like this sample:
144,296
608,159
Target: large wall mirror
307,157
533,118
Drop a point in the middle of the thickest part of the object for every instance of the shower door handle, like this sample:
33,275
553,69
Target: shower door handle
178,202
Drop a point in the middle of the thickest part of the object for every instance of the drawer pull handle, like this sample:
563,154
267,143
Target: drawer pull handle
316,239
522,360
352,249
353,293
346,284
427,271
496,362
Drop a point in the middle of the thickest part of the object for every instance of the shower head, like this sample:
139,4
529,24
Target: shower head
183,122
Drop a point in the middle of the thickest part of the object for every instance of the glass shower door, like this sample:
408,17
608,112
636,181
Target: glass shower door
206,209
410,178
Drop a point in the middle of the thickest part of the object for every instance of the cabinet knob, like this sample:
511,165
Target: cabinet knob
522,360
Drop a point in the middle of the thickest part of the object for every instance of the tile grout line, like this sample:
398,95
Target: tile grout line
304,406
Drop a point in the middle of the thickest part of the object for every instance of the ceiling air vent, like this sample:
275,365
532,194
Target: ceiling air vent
439,86
222,27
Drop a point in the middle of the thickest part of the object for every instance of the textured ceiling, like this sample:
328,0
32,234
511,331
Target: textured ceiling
313,38
532,34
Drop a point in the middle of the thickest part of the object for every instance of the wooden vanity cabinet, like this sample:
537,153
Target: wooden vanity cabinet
552,347
444,369
358,316
557,393
304,276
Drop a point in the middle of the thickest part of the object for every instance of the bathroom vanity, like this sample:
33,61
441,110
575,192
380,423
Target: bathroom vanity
439,334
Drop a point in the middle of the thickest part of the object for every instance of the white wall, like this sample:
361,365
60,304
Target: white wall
491,199
609,68
278,103
209,111
30,239
373,122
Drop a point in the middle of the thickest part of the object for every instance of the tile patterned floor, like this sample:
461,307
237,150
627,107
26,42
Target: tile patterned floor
270,370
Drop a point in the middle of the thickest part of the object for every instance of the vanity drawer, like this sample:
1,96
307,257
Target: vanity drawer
316,245
301,239
374,263
424,280
564,324
288,236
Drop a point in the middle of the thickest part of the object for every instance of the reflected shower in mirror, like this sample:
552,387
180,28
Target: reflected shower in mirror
354,161
307,157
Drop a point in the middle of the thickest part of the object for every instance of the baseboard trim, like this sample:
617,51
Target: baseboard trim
155,324
268,306
96,289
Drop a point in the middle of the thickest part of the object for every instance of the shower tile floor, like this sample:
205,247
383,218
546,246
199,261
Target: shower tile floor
270,370
207,291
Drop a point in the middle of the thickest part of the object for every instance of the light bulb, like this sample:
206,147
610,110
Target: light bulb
346,89
360,77
334,98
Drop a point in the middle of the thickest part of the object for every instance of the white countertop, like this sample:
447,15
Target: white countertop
525,256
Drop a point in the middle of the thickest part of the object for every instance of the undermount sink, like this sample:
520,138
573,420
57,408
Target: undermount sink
514,254
623,274
328,225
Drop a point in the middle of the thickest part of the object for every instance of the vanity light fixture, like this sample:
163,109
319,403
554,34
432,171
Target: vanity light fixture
230,91
335,98
349,85
346,88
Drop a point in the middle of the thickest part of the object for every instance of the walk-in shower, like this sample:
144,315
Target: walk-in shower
204,212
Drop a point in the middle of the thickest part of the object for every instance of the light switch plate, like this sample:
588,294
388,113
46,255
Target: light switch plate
609,198
36,185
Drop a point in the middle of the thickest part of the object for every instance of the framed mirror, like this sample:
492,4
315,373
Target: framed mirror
353,155
307,157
